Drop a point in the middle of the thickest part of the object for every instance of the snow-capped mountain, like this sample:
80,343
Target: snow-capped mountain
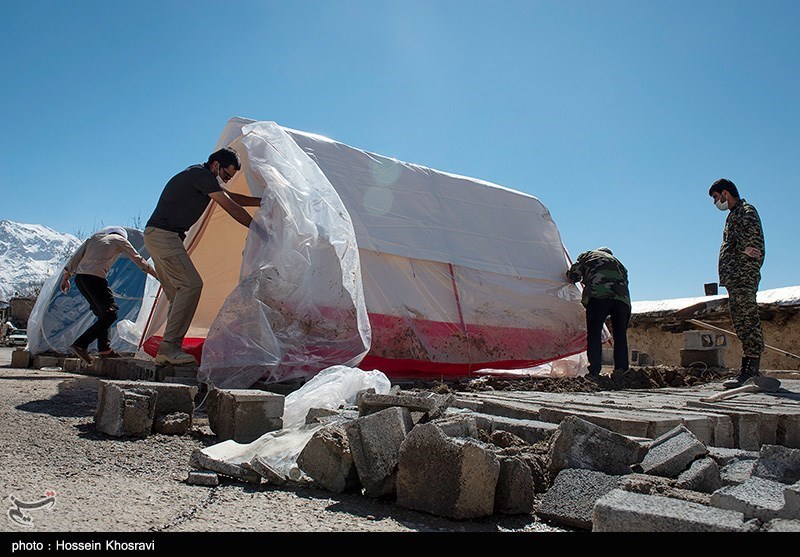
29,253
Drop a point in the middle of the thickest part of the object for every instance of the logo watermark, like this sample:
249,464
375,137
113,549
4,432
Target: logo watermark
18,512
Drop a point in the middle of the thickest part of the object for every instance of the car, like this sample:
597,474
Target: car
18,338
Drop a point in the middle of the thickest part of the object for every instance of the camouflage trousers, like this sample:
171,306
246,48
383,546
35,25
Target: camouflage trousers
744,314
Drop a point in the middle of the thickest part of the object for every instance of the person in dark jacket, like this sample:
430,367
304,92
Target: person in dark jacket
605,294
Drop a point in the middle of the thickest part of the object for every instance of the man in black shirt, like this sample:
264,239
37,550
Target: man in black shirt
184,199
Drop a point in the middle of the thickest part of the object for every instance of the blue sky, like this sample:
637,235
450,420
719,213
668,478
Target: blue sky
617,115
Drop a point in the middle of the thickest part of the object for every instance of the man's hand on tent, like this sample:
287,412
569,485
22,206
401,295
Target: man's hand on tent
65,283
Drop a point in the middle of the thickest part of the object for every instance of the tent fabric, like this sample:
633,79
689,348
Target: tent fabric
454,274
57,319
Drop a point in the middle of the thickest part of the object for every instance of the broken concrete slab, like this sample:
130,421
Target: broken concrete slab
702,475
176,423
327,460
672,453
532,431
754,498
581,444
125,412
791,497
446,476
375,442
458,425
571,498
778,463
202,477
645,484
624,511
514,490
782,525
430,404
268,472
723,456
244,415
737,472
242,471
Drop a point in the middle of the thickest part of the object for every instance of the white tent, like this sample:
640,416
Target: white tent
358,259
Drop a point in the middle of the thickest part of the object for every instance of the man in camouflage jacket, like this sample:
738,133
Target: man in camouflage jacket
740,258
605,293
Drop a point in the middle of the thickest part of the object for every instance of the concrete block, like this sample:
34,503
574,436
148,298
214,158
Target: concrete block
623,511
702,475
581,444
171,397
446,476
724,456
463,425
314,414
782,525
375,444
532,431
242,471
432,405
791,496
704,340
202,477
571,498
244,415
266,471
713,357
755,498
20,358
176,423
778,463
737,472
40,361
327,459
672,453
514,490
125,412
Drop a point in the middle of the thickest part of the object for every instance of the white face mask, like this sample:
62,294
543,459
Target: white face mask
220,182
721,205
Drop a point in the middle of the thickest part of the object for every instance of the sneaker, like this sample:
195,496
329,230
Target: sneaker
110,354
172,355
82,354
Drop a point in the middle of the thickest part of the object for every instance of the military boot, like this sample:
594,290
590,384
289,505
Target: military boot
749,369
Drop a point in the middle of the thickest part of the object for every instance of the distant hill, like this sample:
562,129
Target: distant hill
29,254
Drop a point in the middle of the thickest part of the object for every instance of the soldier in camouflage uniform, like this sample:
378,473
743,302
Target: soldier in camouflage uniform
605,293
740,258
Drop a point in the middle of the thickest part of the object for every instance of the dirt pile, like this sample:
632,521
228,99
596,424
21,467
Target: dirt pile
645,377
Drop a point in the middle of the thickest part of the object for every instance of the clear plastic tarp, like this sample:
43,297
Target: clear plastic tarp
57,319
299,305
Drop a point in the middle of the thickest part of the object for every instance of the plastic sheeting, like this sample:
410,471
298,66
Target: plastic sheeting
458,274
331,388
57,319
299,305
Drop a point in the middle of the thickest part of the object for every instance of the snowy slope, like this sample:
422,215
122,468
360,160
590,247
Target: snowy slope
29,253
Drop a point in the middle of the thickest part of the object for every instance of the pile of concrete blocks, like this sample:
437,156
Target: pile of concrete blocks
606,482
462,464
138,408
